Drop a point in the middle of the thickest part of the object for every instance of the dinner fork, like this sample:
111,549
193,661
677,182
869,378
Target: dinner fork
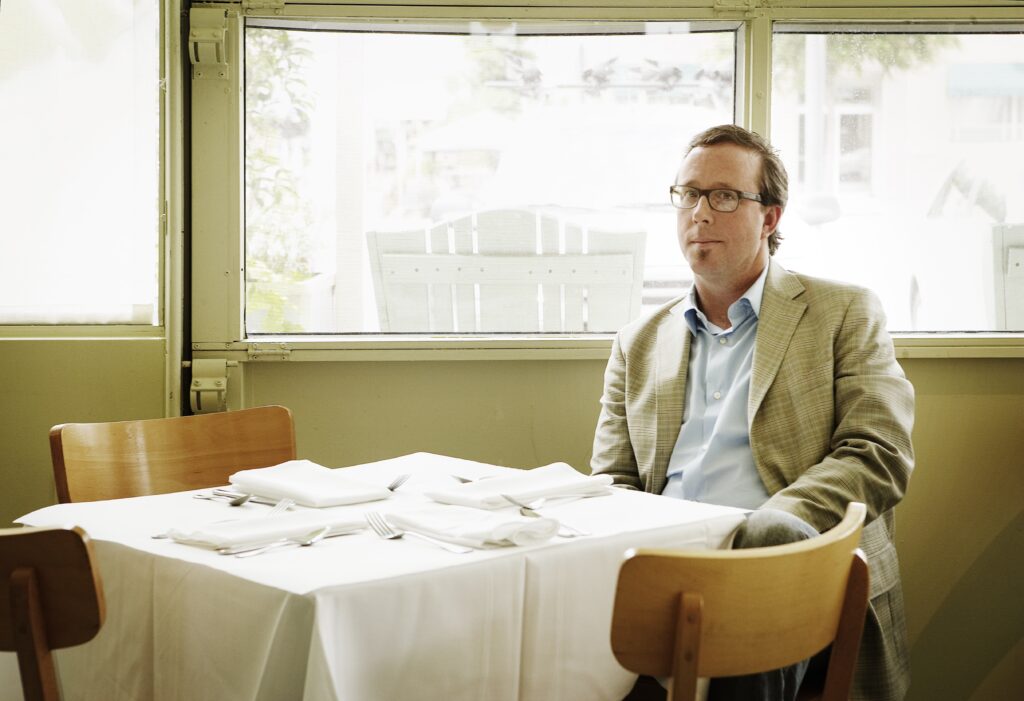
385,530
564,530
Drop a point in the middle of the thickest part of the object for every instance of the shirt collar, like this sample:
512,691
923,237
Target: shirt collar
748,303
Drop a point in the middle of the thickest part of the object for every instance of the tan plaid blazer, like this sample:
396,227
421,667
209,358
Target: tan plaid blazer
830,416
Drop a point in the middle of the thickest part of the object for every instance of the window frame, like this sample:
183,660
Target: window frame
217,177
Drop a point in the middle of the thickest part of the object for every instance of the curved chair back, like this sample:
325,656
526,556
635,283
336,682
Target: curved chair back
52,598
94,461
729,612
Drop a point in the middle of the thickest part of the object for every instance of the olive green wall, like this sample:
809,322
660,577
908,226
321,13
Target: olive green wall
960,530
44,382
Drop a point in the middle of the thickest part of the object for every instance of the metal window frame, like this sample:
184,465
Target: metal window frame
217,275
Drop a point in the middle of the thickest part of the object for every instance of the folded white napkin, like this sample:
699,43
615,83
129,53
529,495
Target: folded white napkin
307,483
474,528
555,480
264,529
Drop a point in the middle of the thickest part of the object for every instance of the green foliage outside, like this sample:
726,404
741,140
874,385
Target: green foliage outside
857,53
277,218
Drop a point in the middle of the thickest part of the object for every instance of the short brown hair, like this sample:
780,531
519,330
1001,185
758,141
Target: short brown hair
773,182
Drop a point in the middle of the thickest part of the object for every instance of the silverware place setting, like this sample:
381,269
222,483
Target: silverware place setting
385,530
530,509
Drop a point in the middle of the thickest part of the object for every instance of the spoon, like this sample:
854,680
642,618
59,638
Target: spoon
467,480
232,499
564,529
398,482
304,542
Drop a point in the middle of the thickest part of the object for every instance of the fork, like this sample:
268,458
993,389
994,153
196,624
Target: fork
385,530
564,530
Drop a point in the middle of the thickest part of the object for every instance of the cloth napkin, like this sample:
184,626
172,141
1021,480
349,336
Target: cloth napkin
307,483
555,480
474,528
264,529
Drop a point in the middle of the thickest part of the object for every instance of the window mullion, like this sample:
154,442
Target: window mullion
755,62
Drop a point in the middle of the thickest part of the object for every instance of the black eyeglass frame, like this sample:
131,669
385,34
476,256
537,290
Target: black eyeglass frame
740,195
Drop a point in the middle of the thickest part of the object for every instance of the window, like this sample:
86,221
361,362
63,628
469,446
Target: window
455,177
373,156
79,144
905,147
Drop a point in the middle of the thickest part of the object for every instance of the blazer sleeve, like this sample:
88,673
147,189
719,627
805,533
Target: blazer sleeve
613,452
870,455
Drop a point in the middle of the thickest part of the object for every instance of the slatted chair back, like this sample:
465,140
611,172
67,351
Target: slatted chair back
506,271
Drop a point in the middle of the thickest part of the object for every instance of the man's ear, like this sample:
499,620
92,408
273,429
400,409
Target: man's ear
772,217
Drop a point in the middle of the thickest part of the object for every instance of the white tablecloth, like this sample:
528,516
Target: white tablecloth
356,617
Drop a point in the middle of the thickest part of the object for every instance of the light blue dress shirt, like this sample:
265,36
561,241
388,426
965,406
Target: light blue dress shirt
712,461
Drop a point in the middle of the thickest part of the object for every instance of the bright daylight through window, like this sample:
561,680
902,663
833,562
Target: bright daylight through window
482,178
462,178
79,148
905,149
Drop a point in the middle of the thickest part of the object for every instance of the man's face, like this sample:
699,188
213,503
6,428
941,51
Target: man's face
725,248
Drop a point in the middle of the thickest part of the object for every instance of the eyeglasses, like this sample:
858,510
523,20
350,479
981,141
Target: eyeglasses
720,200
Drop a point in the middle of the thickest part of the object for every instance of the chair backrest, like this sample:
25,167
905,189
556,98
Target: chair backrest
689,614
506,270
52,598
93,461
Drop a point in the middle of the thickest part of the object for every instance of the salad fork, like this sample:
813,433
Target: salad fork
385,530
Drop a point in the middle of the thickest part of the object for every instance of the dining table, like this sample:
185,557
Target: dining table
358,617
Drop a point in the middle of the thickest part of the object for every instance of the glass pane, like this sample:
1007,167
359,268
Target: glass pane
465,178
79,146
906,160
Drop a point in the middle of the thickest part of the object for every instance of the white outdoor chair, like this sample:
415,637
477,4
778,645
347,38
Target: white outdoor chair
506,271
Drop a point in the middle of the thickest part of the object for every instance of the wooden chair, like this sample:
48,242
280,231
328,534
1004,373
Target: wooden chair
52,598
119,459
506,271
729,612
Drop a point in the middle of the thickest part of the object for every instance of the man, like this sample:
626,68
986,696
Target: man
766,390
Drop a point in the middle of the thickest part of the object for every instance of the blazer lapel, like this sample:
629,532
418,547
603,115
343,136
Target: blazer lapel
779,315
673,344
